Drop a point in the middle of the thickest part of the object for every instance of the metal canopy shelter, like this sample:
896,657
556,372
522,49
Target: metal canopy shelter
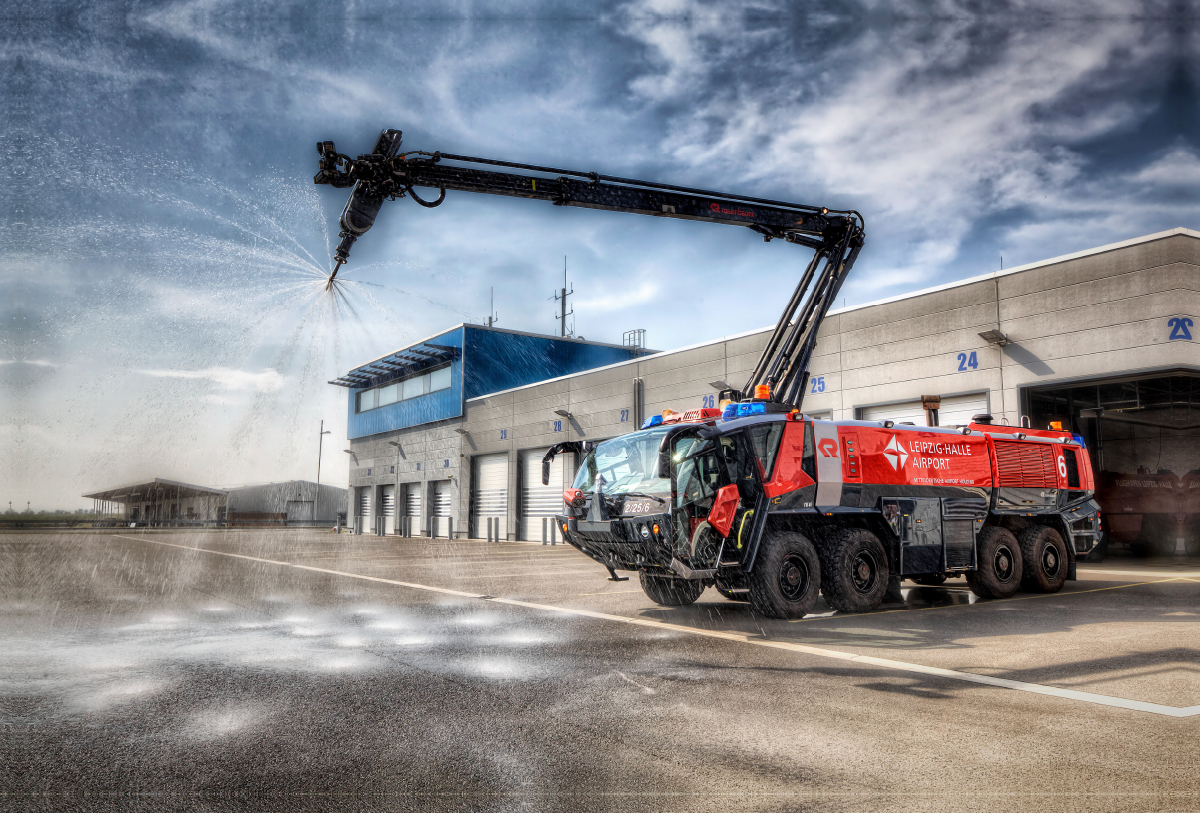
158,487
401,364
158,491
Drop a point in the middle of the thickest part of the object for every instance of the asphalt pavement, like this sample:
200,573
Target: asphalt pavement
304,670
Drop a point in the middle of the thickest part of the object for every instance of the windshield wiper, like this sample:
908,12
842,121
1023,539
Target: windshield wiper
660,500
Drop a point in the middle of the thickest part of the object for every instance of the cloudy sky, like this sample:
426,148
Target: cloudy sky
162,243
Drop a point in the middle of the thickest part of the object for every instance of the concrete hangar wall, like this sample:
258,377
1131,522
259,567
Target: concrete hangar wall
1103,340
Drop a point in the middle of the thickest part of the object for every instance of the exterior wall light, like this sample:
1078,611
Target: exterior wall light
994,337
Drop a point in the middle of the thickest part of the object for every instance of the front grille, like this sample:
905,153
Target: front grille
1025,465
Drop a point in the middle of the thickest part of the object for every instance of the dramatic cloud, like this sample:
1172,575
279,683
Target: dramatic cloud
163,246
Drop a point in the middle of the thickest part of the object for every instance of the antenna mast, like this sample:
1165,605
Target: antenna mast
561,298
493,317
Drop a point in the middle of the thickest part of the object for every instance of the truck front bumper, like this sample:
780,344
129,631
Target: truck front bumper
629,543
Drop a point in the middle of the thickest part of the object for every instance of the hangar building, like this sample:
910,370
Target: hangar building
1102,341
169,502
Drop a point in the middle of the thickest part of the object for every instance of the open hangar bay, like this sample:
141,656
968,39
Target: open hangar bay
286,669
1102,343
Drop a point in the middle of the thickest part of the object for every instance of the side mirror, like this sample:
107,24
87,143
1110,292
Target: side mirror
567,446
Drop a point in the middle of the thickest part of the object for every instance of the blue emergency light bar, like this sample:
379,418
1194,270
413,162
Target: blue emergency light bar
733,411
654,420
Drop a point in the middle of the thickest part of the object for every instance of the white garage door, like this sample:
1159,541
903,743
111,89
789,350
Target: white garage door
489,493
440,503
389,509
541,502
364,510
956,410
412,510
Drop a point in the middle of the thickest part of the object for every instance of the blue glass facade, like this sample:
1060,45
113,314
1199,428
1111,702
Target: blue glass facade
489,360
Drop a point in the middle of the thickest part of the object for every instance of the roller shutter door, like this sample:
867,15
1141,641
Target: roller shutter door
440,503
538,501
412,510
389,509
364,510
489,494
955,410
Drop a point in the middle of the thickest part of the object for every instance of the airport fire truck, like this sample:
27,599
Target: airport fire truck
755,498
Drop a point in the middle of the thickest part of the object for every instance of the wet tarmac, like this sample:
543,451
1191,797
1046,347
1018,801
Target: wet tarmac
301,670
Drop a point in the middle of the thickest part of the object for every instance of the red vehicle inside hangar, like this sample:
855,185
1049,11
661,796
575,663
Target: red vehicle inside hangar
1143,436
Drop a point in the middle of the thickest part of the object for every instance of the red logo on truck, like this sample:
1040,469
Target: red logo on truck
716,207
828,447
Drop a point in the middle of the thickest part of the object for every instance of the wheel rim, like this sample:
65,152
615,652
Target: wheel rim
1004,564
793,577
864,571
1051,561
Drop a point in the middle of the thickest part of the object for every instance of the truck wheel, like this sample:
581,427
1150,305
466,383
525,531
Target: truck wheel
1157,537
670,592
786,579
929,579
854,573
1000,565
1044,556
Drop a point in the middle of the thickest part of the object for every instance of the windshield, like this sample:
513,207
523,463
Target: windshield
628,463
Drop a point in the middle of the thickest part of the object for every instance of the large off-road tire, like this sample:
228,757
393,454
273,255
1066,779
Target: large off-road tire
670,592
854,571
786,580
1044,560
1156,538
929,579
1000,564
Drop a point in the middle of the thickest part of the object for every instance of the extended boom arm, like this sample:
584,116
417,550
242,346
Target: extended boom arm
835,236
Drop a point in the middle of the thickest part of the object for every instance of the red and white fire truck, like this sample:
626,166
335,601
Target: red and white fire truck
757,499
771,506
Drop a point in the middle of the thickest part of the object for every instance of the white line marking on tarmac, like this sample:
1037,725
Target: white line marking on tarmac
740,637
1088,571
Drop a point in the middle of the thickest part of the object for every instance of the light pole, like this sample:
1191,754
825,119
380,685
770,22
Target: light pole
320,444
396,515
